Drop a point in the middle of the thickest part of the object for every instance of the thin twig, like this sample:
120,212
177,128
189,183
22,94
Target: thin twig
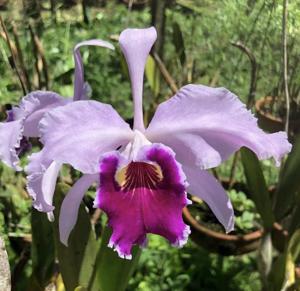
285,64
84,12
13,52
40,58
255,22
250,99
35,54
158,13
53,10
21,58
165,73
253,77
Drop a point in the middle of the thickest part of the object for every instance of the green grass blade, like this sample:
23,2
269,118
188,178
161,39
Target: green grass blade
113,273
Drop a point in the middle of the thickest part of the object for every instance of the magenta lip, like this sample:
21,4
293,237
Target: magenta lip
148,198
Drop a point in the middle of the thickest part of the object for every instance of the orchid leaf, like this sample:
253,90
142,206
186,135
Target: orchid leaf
76,261
42,249
294,245
123,63
294,222
111,272
257,186
288,183
4,268
283,271
278,272
179,42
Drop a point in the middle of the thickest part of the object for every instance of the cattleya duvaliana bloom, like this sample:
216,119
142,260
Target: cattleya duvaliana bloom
144,174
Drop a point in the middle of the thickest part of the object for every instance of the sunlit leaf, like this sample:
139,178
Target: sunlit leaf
294,245
60,284
153,75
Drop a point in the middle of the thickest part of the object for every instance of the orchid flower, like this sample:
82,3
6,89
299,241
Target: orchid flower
144,174
22,120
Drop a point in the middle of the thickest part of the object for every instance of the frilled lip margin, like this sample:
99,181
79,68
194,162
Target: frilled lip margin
147,194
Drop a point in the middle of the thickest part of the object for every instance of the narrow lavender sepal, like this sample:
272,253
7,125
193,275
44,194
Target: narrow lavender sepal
136,45
205,186
70,206
79,84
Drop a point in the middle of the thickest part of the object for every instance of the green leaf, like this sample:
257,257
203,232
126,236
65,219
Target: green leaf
42,249
294,221
294,245
179,42
278,272
153,75
288,183
283,273
77,261
190,5
113,273
123,63
257,186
